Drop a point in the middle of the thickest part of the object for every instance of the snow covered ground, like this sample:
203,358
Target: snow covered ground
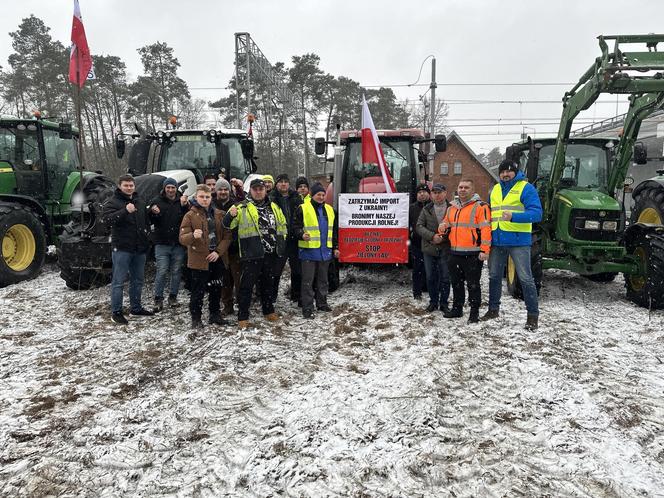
376,399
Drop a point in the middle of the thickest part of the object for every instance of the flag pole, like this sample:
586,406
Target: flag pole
80,133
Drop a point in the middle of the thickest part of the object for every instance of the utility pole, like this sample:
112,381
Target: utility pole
432,125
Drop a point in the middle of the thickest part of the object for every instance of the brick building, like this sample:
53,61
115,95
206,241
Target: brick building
459,161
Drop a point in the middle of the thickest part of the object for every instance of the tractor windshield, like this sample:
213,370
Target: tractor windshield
61,158
196,153
586,165
19,147
367,177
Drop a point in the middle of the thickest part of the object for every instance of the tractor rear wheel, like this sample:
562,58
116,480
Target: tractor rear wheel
649,206
23,243
513,284
647,245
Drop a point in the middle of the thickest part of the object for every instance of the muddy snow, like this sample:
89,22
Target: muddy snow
376,399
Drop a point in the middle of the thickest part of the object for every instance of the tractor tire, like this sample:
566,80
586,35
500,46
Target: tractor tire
23,243
333,280
73,267
647,244
602,277
513,284
649,206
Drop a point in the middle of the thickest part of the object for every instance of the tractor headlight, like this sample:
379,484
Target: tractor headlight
610,226
591,225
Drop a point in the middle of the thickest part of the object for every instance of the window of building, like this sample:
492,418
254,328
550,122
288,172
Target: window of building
444,169
457,167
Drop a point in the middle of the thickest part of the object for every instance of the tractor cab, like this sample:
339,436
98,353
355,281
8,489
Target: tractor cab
36,158
203,152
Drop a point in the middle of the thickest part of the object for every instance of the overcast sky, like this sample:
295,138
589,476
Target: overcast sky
384,42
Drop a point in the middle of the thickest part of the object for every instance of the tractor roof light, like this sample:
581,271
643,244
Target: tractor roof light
173,121
20,127
37,114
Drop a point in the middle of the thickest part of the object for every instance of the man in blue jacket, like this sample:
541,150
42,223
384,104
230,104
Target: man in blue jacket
515,206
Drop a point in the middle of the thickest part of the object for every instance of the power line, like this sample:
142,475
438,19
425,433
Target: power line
468,84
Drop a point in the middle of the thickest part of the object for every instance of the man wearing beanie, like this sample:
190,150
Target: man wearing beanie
515,206
166,212
269,183
302,187
288,200
224,200
417,259
315,226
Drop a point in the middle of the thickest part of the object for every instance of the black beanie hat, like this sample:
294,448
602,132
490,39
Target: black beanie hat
315,188
301,181
282,176
508,165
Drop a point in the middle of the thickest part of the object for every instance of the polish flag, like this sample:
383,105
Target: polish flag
80,61
371,151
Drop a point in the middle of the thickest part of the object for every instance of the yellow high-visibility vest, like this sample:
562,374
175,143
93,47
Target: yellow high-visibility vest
311,226
511,202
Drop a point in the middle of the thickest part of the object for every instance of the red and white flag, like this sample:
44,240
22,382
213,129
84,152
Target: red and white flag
80,60
371,150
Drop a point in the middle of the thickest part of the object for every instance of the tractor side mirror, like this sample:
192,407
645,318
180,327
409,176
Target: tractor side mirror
640,153
440,141
65,131
247,146
119,147
320,146
421,156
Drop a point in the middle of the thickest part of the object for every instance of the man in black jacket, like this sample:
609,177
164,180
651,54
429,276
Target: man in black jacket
224,200
416,257
166,212
126,213
288,200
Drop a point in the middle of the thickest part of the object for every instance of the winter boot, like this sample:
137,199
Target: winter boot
172,301
454,313
243,324
474,316
272,317
431,307
158,304
119,318
308,313
324,307
215,319
196,323
444,307
490,315
531,322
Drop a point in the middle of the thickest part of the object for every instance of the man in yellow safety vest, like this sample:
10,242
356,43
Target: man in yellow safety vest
515,206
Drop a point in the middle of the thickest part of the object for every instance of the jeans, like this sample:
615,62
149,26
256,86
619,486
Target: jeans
419,270
132,264
438,278
466,268
521,258
311,270
169,260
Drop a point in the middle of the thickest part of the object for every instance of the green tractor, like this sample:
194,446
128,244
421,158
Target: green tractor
584,227
39,178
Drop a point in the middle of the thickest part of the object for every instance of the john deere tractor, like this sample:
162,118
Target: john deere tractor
39,178
584,227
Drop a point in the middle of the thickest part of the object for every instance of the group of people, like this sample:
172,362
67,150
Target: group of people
236,245
450,241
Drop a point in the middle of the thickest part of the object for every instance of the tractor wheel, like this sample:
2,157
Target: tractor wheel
23,243
72,266
333,280
513,284
647,290
649,206
605,277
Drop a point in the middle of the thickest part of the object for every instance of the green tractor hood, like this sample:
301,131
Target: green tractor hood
588,199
